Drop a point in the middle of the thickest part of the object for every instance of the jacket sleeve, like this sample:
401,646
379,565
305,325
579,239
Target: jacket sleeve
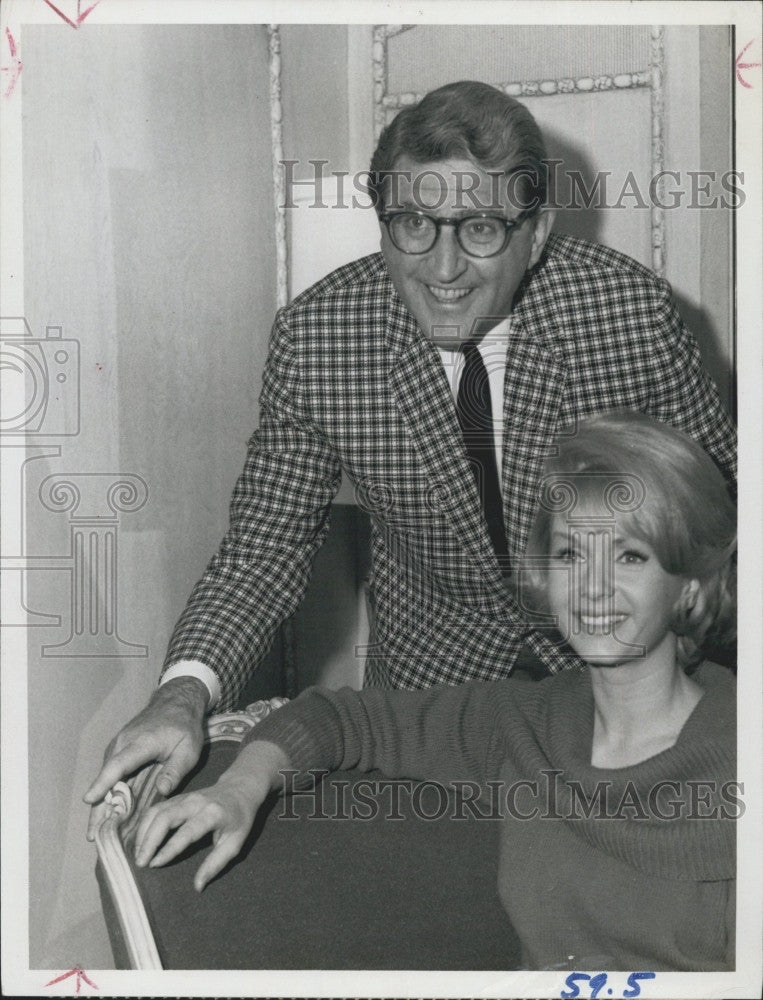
684,395
439,733
279,518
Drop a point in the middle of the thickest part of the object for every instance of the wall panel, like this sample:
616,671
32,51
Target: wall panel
148,234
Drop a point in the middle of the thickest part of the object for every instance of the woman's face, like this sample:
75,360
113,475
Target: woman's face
613,600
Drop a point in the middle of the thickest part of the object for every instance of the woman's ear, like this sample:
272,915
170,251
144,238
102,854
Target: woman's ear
688,597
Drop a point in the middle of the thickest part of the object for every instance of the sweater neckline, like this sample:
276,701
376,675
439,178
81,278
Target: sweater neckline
579,746
698,841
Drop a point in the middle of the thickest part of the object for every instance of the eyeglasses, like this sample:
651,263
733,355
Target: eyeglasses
480,235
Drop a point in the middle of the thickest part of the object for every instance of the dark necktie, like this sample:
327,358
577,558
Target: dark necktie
475,417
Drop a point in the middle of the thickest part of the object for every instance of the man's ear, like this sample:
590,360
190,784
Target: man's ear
544,222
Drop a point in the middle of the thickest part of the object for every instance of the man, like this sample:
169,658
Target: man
381,371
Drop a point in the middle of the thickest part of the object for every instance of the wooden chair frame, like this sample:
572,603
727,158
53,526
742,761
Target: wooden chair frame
127,802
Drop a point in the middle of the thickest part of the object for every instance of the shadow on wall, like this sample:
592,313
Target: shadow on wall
585,223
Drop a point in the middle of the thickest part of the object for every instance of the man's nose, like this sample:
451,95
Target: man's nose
448,260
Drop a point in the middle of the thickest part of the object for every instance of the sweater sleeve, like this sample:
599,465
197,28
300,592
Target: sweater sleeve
440,733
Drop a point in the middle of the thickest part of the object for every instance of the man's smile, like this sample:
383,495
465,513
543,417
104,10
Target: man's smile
448,294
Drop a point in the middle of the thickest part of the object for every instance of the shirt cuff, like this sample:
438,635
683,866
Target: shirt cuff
192,668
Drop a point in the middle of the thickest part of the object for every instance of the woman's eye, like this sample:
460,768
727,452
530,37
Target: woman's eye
632,557
566,555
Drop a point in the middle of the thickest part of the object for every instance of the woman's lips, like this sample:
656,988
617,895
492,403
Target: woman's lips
601,623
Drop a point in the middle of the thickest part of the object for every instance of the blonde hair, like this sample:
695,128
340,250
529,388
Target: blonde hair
672,496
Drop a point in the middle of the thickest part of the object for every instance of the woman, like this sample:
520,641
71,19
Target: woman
618,789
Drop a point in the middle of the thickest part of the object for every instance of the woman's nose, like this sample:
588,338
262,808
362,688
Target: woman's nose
597,571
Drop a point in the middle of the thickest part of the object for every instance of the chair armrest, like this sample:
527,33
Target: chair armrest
389,885
115,833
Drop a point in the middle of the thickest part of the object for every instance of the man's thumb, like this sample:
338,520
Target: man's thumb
166,781
177,765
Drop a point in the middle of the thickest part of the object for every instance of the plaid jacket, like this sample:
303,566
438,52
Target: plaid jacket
351,386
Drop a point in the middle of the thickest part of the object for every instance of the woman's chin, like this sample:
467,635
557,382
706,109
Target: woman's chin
605,655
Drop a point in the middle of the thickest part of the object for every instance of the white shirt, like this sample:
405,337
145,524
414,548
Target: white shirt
494,348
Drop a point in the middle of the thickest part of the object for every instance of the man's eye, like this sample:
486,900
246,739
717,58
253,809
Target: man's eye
415,223
480,229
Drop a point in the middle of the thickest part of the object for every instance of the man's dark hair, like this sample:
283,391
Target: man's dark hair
466,121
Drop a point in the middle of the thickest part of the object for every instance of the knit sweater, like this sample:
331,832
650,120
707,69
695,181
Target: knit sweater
626,868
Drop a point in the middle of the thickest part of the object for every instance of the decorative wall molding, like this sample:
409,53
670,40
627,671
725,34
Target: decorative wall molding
543,88
658,147
379,70
381,35
276,143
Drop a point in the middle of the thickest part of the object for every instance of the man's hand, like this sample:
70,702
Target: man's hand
226,810
168,730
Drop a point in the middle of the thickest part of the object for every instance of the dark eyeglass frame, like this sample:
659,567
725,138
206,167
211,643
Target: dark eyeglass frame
509,226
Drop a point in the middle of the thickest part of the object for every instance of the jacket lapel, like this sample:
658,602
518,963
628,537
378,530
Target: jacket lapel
425,402
533,390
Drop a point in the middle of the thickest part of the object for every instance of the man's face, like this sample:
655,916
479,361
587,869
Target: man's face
452,295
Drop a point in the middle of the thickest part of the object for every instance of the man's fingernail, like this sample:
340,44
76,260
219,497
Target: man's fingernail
164,785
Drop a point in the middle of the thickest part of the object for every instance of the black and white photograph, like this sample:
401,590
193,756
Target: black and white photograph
381,491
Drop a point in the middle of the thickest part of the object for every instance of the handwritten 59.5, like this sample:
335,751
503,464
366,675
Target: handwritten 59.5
595,985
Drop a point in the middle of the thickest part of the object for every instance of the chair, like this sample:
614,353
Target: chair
313,888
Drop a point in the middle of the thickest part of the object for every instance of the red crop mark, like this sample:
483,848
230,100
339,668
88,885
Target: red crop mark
739,65
79,973
15,67
77,18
